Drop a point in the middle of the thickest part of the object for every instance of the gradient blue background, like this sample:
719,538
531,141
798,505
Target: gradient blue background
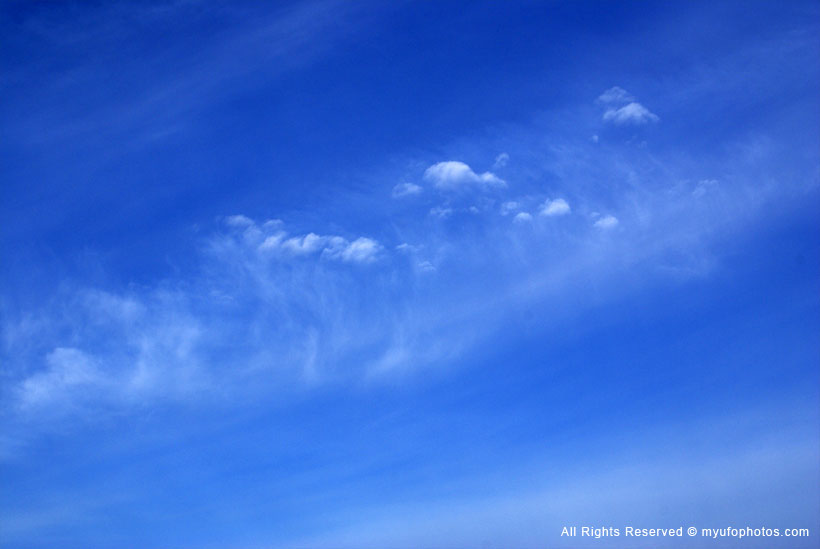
472,373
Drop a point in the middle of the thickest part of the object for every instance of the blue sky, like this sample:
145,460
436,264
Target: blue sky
329,274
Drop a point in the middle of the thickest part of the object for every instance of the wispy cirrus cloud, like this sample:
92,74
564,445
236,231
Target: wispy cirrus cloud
287,305
533,504
166,343
69,373
434,288
271,308
183,82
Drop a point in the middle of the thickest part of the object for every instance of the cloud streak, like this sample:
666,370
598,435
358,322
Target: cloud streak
270,308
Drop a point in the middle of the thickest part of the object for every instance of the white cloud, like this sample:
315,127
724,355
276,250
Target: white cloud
254,298
558,206
301,245
68,370
425,267
406,189
420,266
238,221
452,175
615,94
272,223
361,250
606,222
501,160
273,241
623,108
406,248
441,212
522,217
509,207
334,247
633,113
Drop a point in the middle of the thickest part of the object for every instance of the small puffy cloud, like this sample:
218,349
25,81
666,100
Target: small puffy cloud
453,175
334,247
420,266
632,113
110,307
273,242
406,189
406,248
252,233
509,207
441,212
558,206
522,217
622,108
425,267
501,160
361,250
615,95
238,221
272,224
301,245
606,222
